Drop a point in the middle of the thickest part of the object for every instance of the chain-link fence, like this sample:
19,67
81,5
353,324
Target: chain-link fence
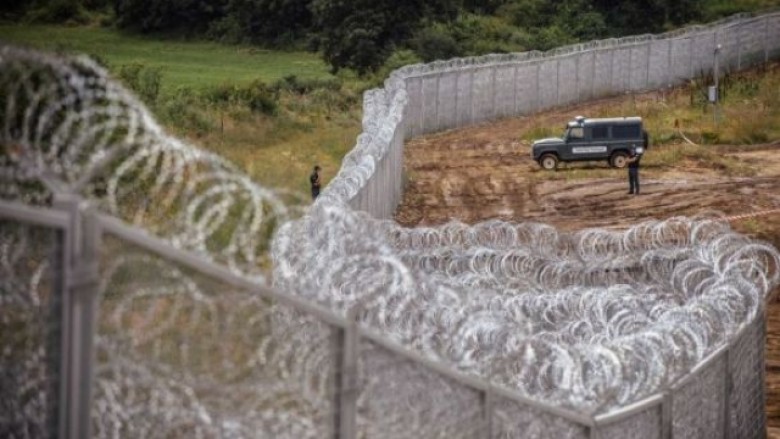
110,332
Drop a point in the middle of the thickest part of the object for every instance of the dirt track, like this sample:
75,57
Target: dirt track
486,172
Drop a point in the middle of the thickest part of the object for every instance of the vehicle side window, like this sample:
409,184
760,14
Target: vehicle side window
625,132
576,133
599,132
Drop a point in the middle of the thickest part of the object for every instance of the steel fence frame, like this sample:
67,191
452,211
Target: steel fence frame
82,229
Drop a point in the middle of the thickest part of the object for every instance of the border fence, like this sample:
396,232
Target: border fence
360,376
427,98
73,295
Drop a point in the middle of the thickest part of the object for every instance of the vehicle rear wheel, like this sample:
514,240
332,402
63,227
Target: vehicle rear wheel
549,162
619,160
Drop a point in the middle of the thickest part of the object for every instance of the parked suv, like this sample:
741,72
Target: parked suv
585,139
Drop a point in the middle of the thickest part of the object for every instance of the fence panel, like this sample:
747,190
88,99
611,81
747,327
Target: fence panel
31,311
698,403
772,36
505,89
399,398
184,354
621,69
548,84
465,94
514,420
746,363
658,75
586,72
413,111
602,80
430,96
643,425
482,94
448,100
752,40
527,91
567,80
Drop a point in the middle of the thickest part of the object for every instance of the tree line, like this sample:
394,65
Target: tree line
364,35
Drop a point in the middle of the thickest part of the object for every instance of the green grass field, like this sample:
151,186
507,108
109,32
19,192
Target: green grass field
184,63
276,151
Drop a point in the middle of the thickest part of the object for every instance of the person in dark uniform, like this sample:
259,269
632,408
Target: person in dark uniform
633,164
314,179
633,171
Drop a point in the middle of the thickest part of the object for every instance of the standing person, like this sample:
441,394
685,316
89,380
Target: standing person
633,172
314,179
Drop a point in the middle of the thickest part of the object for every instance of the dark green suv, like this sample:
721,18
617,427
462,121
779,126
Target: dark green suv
585,139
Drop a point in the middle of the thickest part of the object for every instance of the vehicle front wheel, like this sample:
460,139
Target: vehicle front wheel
619,160
549,162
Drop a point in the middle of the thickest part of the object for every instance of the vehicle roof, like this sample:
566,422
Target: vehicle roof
593,121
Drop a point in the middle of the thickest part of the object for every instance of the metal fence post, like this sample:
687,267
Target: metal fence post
611,67
486,399
766,40
593,75
471,97
557,81
630,68
536,88
347,378
666,416
690,57
739,46
577,76
80,303
437,107
493,76
670,66
647,65
515,109
456,119
727,384
60,263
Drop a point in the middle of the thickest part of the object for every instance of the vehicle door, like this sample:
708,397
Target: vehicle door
578,144
625,136
598,142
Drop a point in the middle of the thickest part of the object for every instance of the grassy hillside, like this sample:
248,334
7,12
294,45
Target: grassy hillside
184,64
230,99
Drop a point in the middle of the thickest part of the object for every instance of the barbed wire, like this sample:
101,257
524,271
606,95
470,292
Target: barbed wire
586,320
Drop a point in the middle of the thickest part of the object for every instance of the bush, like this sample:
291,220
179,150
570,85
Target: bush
257,96
432,43
293,84
142,79
59,11
180,109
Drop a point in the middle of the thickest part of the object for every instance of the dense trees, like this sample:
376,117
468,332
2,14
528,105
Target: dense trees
360,34
363,34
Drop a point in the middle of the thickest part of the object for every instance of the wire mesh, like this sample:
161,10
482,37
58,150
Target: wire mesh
643,425
30,318
183,355
513,420
746,366
698,405
400,398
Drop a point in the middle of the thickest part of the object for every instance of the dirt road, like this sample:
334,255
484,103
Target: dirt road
486,172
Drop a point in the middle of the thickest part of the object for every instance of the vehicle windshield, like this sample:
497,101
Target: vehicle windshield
574,133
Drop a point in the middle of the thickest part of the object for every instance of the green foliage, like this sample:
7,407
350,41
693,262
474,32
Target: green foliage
435,42
144,80
276,22
181,109
189,16
58,11
361,34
